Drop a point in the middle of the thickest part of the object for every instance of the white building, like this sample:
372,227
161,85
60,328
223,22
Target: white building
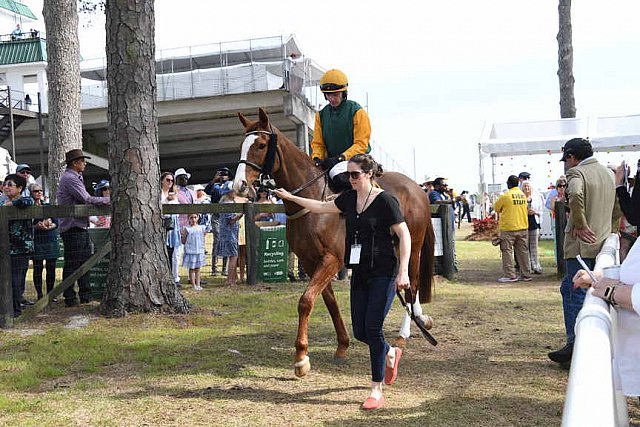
23,55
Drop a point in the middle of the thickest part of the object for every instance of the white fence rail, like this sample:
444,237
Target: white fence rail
591,398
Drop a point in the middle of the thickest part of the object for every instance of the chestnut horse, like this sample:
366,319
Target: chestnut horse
318,239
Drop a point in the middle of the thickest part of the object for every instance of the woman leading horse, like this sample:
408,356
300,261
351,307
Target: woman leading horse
371,215
318,239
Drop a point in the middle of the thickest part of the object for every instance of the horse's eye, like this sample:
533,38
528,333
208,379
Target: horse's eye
262,145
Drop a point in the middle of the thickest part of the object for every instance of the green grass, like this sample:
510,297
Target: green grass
230,362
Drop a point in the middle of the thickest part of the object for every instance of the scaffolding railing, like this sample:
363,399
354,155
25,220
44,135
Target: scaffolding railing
16,98
22,35
218,69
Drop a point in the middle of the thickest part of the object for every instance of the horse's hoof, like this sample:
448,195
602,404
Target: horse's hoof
339,360
302,367
400,342
425,320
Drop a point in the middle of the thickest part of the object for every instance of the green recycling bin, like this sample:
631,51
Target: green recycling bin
273,254
98,273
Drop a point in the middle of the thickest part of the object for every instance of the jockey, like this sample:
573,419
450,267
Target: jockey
342,129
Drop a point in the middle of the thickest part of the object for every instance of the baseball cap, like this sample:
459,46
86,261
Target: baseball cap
574,145
22,167
524,175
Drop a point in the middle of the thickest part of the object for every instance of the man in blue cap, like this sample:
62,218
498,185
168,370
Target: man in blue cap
24,170
523,176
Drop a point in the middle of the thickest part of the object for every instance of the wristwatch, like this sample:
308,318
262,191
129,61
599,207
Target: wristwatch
609,294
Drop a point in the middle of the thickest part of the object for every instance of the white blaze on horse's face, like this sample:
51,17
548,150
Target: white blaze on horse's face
240,184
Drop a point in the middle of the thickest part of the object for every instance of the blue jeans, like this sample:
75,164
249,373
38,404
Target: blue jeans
77,249
572,299
371,300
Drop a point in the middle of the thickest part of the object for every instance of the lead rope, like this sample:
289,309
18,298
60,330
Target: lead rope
419,324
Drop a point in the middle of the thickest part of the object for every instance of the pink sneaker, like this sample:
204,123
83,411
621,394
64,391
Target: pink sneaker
372,403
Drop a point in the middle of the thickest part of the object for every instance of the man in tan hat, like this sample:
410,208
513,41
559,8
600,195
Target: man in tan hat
77,245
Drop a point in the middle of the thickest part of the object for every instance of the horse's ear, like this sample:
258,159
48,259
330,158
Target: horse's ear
263,118
243,119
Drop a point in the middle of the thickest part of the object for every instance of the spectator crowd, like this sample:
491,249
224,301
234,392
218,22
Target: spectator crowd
42,241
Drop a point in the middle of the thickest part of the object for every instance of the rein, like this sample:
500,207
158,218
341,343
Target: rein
308,183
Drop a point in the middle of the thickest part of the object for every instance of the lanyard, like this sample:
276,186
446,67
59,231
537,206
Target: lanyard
355,238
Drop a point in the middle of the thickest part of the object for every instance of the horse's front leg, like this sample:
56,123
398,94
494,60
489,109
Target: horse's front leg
330,301
322,275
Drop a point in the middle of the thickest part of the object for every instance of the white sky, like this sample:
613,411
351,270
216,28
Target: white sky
433,72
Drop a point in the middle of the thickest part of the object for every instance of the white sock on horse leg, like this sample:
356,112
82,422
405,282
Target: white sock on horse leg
417,308
302,362
405,329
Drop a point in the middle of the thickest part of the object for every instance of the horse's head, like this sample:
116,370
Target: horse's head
257,153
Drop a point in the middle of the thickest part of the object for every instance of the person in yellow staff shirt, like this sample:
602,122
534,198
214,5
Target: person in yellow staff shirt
342,130
513,224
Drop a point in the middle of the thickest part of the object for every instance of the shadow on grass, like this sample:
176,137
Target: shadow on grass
253,394
115,353
502,403
454,410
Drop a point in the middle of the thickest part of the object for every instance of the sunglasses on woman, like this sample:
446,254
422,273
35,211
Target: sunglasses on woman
355,174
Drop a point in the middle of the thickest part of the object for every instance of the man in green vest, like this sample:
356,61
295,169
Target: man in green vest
342,128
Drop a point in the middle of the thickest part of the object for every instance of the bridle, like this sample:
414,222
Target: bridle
265,178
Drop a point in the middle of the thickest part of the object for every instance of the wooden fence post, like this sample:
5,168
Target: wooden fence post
6,293
448,242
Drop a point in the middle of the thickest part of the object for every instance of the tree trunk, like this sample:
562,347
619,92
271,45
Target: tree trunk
63,75
139,278
565,61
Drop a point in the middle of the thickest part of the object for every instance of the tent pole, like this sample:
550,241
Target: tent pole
493,169
481,190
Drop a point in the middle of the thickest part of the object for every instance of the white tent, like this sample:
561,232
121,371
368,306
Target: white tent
610,134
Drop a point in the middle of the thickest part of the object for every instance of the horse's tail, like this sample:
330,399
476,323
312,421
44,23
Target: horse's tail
427,265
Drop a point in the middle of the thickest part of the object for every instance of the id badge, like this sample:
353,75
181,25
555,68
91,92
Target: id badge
354,254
